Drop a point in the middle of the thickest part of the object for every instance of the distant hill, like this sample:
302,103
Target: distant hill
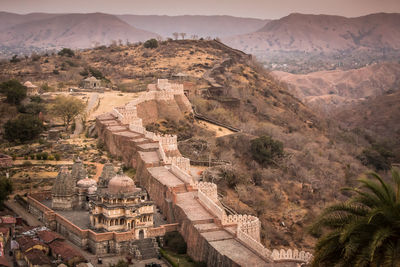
11,19
202,26
378,116
323,33
69,30
330,89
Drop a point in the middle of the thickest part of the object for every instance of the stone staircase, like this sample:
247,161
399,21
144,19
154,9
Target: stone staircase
146,249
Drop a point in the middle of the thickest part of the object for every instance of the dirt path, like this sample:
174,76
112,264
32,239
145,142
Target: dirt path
78,121
18,209
219,130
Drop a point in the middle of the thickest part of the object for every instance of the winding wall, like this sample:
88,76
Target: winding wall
211,235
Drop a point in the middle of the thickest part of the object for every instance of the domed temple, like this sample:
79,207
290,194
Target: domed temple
121,206
114,204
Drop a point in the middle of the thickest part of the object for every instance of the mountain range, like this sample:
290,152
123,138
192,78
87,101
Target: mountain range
322,33
201,26
293,33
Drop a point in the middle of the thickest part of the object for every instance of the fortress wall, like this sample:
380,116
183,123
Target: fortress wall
211,249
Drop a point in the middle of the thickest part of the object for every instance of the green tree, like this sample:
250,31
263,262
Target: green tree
14,91
67,108
364,230
264,149
6,188
66,52
24,128
152,43
378,155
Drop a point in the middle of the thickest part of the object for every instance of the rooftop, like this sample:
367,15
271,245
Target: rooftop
26,243
49,236
91,79
37,257
65,251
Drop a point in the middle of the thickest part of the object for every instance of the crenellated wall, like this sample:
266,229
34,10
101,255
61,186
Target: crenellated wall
211,235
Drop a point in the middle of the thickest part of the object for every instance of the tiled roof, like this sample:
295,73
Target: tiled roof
64,250
7,219
4,261
26,243
37,257
91,79
48,236
4,230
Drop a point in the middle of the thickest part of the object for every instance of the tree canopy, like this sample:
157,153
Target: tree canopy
66,52
364,230
22,129
152,43
67,108
264,149
14,90
6,189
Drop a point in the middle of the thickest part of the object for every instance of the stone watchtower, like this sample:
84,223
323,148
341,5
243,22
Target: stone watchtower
63,191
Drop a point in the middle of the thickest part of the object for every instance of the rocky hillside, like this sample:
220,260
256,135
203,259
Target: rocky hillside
201,26
326,90
228,86
378,117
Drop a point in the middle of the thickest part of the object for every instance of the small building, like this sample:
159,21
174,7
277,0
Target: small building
67,254
4,235
4,262
27,243
36,258
91,83
47,236
32,90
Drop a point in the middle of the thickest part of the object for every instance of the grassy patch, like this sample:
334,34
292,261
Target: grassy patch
181,260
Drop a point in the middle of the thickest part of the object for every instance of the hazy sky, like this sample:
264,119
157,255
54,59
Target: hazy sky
244,8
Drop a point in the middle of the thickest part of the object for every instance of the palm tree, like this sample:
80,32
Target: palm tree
365,230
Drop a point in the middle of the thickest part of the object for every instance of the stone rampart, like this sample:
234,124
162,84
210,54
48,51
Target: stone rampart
170,186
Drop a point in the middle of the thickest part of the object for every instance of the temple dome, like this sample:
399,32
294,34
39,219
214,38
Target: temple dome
86,183
92,189
122,184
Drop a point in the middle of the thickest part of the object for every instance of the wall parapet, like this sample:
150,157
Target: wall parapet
291,255
209,189
253,244
186,178
211,205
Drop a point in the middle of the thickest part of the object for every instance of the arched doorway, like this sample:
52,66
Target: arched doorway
141,234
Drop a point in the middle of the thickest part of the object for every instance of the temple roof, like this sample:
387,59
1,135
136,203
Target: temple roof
64,184
122,184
